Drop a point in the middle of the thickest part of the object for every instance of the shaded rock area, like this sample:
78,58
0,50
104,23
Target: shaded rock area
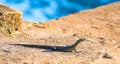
100,25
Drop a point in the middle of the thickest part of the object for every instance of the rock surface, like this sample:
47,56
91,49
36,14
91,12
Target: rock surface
10,19
100,25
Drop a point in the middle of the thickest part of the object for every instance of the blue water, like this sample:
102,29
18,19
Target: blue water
44,10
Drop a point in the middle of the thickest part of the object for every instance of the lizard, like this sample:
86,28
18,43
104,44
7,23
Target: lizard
70,48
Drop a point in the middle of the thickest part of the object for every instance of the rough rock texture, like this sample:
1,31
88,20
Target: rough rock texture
10,19
100,25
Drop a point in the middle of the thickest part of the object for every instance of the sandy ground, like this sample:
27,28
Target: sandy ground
100,25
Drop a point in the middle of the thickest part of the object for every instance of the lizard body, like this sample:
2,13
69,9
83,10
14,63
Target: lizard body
70,48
